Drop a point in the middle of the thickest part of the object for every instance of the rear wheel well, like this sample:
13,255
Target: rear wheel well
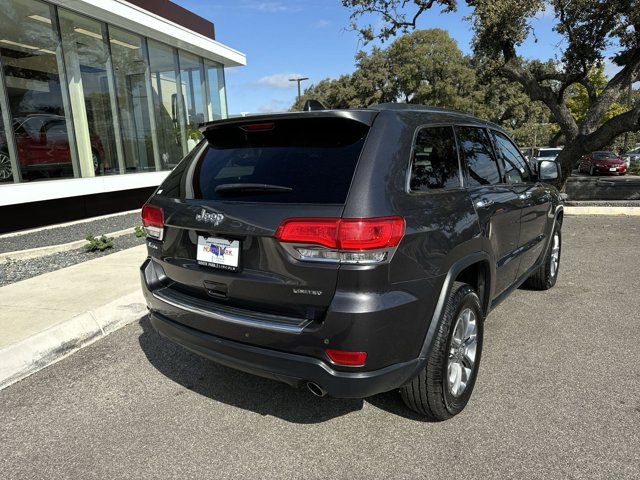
477,275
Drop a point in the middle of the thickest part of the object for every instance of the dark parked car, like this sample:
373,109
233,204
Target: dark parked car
349,252
607,163
43,147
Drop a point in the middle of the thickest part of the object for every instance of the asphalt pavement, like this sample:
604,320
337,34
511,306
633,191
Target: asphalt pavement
558,396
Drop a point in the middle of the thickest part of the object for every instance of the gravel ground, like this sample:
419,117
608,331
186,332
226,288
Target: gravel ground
603,203
16,270
557,397
69,233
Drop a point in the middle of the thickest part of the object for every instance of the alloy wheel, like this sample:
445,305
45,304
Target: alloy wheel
5,167
462,352
555,255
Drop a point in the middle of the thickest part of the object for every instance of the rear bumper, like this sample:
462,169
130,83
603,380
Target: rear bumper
607,170
283,348
295,370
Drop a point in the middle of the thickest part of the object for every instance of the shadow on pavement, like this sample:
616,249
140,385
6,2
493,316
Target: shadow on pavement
239,389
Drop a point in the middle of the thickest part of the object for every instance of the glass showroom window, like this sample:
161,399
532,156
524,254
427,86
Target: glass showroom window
134,99
91,92
6,174
30,53
168,104
217,96
194,94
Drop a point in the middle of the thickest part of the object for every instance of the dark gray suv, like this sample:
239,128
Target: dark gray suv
349,252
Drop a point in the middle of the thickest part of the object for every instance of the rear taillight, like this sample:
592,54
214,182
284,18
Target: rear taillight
345,240
153,221
317,231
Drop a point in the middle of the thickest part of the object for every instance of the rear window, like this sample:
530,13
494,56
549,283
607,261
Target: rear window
549,152
604,155
313,159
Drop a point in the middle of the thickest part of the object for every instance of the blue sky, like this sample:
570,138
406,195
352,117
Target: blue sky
311,38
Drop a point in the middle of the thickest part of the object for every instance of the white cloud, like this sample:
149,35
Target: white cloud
275,105
322,23
278,80
270,7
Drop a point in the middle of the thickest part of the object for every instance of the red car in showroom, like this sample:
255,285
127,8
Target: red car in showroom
602,162
43,148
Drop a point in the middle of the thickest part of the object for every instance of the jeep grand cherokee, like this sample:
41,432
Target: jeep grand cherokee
350,252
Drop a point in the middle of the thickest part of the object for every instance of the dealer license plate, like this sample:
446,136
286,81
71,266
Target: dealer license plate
218,253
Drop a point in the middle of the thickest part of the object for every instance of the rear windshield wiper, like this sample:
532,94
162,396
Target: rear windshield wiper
249,188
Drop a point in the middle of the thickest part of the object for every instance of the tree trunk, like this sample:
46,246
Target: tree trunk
568,157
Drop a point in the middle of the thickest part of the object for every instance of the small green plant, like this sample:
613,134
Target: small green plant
101,243
140,231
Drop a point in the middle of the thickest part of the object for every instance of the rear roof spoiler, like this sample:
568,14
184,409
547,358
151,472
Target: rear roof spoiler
365,117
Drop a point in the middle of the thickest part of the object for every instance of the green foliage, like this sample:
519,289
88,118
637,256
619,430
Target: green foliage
578,97
139,231
101,243
427,67
589,110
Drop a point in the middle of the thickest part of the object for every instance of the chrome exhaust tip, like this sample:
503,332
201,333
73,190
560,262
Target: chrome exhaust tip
316,389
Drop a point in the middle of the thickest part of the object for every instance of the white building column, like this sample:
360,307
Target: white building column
76,96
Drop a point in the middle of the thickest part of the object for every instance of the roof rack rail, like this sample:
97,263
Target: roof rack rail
416,107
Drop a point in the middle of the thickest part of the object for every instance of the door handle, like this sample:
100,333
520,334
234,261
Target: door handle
484,203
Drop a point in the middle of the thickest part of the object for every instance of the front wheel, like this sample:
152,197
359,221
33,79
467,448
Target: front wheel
443,388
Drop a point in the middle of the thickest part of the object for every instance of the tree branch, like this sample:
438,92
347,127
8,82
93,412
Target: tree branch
612,128
561,113
610,94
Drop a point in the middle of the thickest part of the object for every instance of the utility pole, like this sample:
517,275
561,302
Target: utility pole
299,80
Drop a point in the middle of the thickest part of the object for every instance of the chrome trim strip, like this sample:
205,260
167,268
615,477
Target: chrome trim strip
232,318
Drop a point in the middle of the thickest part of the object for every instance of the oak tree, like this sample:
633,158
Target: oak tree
592,31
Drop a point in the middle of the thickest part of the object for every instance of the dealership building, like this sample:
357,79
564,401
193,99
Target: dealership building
99,99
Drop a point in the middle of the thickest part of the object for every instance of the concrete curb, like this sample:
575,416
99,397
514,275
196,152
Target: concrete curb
24,358
49,250
629,211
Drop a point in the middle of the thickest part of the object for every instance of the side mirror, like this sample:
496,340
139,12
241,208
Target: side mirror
548,170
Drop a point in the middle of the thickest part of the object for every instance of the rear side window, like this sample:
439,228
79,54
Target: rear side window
477,153
515,166
313,161
435,160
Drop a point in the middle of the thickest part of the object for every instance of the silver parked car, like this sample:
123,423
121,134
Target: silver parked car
632,156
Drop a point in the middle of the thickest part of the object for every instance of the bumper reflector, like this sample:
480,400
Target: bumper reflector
344,357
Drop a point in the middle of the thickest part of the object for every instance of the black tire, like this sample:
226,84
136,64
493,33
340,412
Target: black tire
545,277
428,394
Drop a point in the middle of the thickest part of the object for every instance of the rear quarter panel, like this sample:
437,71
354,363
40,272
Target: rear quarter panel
441,227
